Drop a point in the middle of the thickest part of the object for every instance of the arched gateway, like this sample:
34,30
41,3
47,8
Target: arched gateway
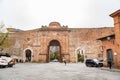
54,51
28,55
54,42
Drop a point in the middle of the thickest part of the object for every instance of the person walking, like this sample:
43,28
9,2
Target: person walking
110,63
64,60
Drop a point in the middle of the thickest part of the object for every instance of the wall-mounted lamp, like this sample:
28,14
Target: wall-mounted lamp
108,38
115,53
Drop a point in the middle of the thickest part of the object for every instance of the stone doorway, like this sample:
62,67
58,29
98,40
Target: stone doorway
80,55
110,55
54,51
28,55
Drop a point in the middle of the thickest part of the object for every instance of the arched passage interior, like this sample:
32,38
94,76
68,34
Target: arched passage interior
28,55
54,51
80,54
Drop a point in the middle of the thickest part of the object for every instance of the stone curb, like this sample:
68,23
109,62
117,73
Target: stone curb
112,70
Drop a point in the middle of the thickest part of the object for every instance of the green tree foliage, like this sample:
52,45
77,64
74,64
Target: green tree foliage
80,58
4,41
3,37
53,56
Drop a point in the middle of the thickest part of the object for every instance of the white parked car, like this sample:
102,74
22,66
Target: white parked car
6,62
3,63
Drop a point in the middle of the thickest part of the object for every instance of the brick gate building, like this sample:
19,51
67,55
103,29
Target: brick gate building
36,45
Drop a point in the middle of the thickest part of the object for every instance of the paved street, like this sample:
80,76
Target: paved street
56,71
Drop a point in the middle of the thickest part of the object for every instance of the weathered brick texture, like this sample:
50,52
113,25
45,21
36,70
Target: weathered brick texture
70,40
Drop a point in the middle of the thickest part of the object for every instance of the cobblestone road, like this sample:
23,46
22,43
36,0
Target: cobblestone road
56,71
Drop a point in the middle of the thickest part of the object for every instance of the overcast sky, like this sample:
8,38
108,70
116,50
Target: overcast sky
31,14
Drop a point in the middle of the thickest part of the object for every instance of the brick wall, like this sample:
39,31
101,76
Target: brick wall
69,38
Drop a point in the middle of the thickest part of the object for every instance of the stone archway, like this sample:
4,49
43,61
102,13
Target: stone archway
54,51
28,54
80,53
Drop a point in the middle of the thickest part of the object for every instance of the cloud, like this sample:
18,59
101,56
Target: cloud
29,14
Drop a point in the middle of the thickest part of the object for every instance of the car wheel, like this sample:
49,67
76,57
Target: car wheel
3,66
96,65
100,65
10,65
87,65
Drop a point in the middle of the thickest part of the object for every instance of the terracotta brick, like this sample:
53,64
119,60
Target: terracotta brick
70,39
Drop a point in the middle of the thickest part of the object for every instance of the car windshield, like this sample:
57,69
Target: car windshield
96,60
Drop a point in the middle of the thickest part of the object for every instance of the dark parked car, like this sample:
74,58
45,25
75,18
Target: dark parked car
93,63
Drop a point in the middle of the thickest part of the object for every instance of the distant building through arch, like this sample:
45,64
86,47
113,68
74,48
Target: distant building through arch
54,51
